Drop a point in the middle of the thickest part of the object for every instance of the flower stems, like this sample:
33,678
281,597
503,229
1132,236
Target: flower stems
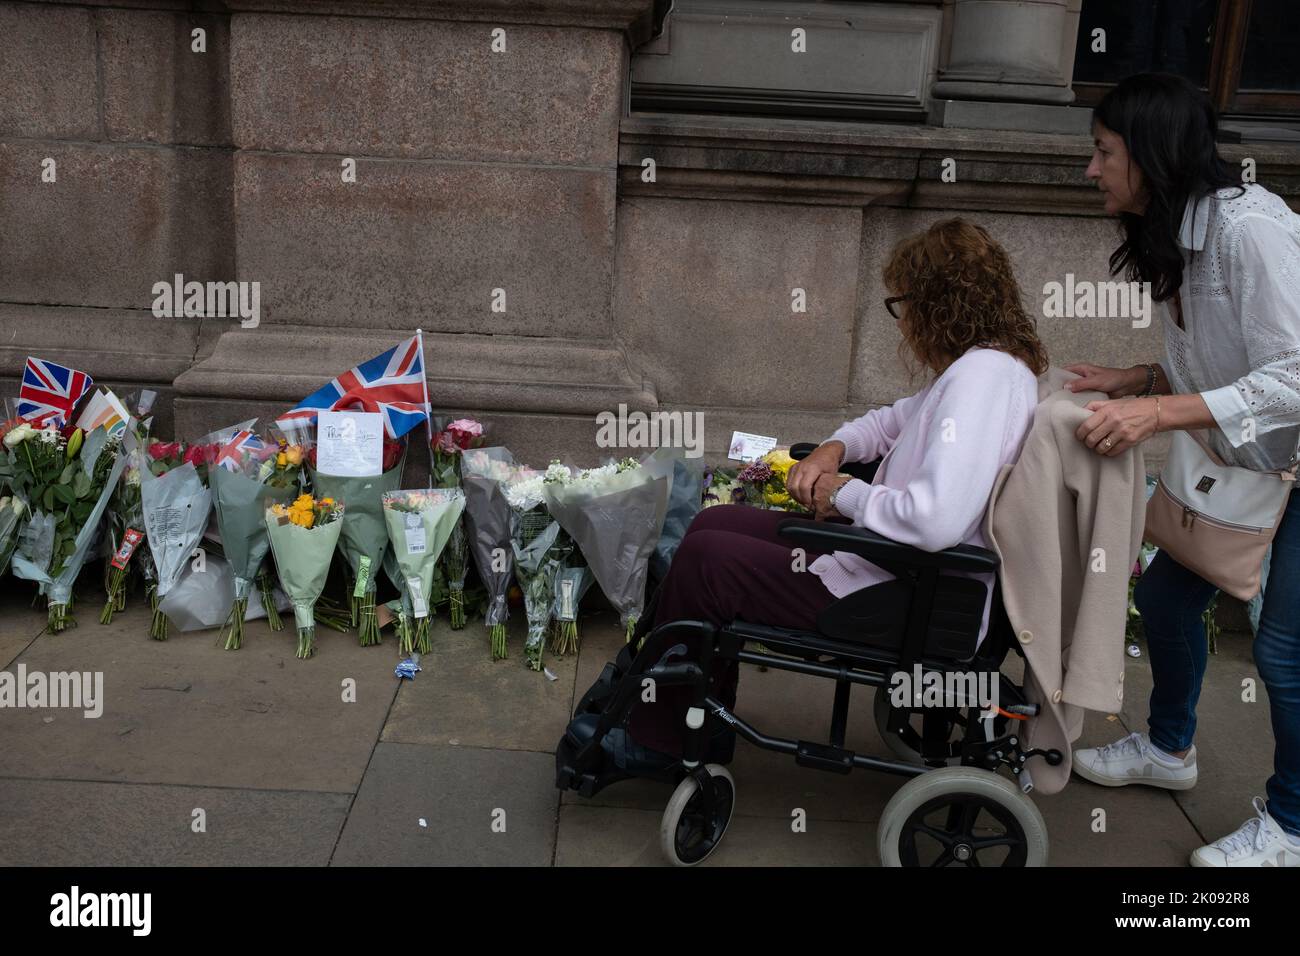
116,600
268,602
60,618
366,619
497,637
234,630
158,626
565,639
457,607
306,642
422,634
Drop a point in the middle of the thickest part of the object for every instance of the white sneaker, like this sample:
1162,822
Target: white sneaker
1259,842
1132,759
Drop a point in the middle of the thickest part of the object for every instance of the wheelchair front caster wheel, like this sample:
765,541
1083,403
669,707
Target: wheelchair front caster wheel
961,816
689,831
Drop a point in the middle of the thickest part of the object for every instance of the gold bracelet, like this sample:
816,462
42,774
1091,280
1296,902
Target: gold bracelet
1157,413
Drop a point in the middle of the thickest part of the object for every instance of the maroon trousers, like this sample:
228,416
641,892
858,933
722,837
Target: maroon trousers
731,565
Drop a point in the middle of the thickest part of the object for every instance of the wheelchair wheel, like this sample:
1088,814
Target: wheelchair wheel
907,746
688,834
961,816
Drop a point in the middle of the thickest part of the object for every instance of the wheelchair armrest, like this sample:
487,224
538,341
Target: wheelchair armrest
862,470
826,536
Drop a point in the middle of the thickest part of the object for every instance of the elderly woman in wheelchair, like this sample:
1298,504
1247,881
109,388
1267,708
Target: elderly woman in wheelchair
891,576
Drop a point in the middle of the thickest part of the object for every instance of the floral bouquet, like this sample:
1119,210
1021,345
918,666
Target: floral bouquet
68,479
764,482
540,547
722,487
12,508
572,581
12,511
364,537
615,513
448,444
175,504
419,526
241,493
125,521
489,525
303,536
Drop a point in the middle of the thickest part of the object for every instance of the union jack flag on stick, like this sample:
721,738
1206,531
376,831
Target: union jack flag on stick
50,392
392,384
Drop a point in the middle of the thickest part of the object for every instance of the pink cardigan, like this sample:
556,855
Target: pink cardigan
943,448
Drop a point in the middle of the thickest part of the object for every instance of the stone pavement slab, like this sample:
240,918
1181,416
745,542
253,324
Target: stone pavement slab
75,823
19,623
463,697
620,836
185,711
458,792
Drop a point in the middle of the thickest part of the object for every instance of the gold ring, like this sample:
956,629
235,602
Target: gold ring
1107,443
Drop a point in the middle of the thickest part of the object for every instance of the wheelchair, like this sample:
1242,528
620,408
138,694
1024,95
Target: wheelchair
957,807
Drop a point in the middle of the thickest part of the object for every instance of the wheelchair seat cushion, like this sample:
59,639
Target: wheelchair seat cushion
877,616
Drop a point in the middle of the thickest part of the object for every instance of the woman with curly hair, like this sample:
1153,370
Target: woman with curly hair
959,310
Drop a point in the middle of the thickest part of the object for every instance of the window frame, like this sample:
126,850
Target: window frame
1231,26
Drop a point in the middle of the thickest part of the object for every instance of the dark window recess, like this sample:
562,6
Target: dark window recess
1272,46
1170,36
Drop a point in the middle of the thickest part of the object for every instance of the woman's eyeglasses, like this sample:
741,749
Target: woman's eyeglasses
894,300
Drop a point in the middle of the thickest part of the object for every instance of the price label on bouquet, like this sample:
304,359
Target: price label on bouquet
419,606
350,444
414,528
127,548
747,447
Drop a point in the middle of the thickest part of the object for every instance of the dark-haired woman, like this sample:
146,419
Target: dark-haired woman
1225,259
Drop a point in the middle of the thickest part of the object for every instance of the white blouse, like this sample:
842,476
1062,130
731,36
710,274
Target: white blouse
1241,307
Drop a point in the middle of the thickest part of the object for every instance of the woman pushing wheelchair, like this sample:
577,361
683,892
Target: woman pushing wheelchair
1225,258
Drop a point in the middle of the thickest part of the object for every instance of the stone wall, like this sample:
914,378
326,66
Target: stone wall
479,171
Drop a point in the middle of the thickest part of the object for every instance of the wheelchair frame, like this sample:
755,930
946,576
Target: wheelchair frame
987,744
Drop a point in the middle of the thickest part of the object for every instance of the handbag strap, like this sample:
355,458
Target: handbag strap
1199,436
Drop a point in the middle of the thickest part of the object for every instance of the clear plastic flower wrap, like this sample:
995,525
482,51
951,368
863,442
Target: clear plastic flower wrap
241,493
489,525
540,547
615,513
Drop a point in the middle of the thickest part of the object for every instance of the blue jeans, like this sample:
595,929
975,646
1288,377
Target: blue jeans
1171,600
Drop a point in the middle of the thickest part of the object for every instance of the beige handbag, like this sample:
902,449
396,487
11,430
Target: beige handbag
1214,519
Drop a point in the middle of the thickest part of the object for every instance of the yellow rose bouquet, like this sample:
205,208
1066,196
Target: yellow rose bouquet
303,535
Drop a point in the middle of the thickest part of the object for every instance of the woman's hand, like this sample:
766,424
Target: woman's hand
822,491
1115,382
803,475
1118,425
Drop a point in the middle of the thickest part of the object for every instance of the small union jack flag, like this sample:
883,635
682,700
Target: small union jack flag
392,383
231,456
50,392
